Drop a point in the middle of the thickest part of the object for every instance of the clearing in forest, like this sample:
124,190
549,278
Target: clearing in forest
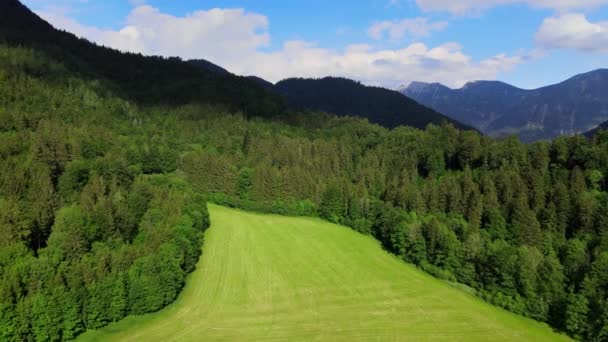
267,277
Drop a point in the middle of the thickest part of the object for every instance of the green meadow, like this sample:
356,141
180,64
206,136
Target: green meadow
267,277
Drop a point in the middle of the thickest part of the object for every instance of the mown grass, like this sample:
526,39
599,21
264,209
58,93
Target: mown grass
266,277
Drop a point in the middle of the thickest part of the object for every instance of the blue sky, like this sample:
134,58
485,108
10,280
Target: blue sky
528,43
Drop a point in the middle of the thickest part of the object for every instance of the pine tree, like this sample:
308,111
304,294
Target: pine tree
119,300
525,226
577,308
245,183
46,317
72,315
97,305
332,204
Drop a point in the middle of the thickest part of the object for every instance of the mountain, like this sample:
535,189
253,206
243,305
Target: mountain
152,80
208,66
346,97
147,80
263,83
496,108
592,132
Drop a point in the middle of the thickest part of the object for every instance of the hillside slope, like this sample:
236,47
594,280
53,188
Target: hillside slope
594,131
347,97
266,277
574,106
147,80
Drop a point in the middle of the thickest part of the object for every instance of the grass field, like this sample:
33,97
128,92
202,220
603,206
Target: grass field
265,277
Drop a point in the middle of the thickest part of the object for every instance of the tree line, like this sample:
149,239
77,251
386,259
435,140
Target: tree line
93,225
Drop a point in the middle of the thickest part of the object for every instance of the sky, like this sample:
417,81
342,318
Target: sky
389,43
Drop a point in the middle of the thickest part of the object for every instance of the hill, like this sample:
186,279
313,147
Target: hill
347,97
266,277
151,80
103,192
207,66
592,132
147,80
570,107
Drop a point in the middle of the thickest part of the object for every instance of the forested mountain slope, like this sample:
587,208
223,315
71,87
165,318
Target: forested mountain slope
571,107
593,132
170,81
102,192
146,80
347,97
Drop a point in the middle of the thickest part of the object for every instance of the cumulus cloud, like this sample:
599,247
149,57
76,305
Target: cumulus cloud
397,29
213,34
573,31
234,39
446,63
466,6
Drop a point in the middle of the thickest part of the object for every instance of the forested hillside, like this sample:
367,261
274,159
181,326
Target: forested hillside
342,96
102,193
524,225
146,80
93,226
600,128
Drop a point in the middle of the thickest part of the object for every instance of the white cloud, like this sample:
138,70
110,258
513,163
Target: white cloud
234,38
214,34
573,31
446,63
466,6
414,27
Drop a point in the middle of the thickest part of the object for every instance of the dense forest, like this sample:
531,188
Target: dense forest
524,226
102,198
93,226
344,97
146,80
103,208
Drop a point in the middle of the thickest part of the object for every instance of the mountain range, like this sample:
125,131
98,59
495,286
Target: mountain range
574,106
602,127
346,97
495,108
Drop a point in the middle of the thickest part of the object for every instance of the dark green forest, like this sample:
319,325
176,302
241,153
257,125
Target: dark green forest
103,193
148,80
343,97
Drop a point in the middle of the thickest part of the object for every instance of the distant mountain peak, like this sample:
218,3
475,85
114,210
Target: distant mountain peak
487,84
497,108
346,97
419,87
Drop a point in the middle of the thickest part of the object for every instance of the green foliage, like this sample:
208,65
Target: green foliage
46,317
245,183
102,200
577,309
332,207
72,233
